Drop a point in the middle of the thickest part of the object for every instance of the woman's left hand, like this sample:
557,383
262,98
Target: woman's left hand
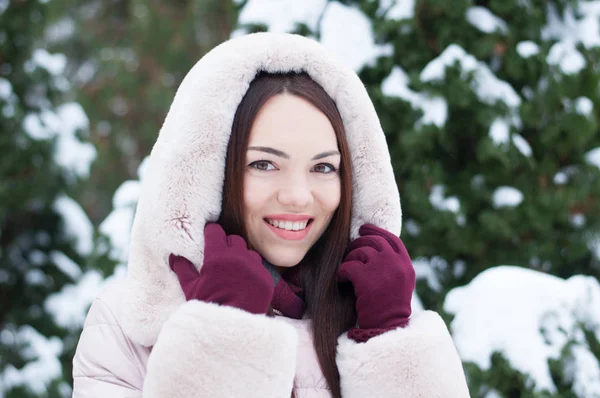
379,267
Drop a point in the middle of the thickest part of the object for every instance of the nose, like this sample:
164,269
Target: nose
295,194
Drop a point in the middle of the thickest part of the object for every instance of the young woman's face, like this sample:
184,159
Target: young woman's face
291,182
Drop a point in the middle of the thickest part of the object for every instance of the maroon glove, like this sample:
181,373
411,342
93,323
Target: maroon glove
231,274
383,277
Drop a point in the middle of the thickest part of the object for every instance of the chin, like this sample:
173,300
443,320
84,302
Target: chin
285,258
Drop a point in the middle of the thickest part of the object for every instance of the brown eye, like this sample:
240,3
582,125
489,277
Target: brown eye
324,168
263,165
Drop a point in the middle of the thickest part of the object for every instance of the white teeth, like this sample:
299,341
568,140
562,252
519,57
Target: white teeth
288,225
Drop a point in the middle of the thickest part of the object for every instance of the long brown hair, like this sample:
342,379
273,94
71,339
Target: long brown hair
330,306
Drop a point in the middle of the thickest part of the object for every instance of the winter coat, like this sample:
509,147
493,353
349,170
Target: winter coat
141,337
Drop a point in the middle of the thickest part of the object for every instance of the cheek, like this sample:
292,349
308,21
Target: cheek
256,194
330,195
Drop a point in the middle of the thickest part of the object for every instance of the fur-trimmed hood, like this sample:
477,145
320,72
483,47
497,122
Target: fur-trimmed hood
182,188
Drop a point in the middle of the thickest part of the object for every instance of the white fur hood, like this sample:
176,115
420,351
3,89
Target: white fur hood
183,185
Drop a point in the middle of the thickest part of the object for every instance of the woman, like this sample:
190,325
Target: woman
264,257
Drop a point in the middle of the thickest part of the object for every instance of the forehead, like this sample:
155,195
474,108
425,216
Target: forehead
292,124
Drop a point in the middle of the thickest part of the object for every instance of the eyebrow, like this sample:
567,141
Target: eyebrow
284,155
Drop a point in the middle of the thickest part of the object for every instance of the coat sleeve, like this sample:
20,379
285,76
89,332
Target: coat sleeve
203,350
419,360
207,350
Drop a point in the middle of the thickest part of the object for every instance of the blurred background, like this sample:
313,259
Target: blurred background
490,109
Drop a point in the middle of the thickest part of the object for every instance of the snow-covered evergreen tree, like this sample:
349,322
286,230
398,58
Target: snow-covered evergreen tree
45,236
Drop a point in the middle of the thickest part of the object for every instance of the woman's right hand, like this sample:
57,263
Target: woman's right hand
231,275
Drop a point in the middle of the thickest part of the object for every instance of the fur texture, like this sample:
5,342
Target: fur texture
183,189
205,350
417,361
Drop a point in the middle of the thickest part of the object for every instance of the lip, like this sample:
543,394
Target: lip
289,235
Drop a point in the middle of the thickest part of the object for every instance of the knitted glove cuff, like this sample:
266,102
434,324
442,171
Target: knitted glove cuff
363,335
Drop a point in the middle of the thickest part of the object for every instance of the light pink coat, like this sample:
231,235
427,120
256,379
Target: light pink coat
419,361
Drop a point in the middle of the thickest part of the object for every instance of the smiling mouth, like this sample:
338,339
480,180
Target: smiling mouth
291,226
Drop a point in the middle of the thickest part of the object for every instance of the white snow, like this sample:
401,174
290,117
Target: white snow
61,30
435,109
6,90
71,153
583,371
397,10
54,63
438,201
41,126
566,57
282,15
593,157
412,227
577,220
584,106
127,194
66,265
528,316
499,131
77,225
356,47
486,85
576,26
560,178
69,306
4,5
42,367
35,277
424,270
522,145
507,197
484,20
117,225
527,49
143,169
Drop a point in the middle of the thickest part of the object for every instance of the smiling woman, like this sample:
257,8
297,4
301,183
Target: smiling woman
287,124
265,259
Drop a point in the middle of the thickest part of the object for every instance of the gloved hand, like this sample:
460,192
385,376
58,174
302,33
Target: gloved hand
383,277
231,274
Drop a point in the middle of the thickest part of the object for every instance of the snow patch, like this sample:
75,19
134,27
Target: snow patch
544,315
435,109
438,201
71,153
527,49
43,366
65,264
356,47
500,131
77,224
486,85
54,63
507,197
397,10
580,25
69,307
593,157
584,106
424,270
484,20
522,145
282,15
566,57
